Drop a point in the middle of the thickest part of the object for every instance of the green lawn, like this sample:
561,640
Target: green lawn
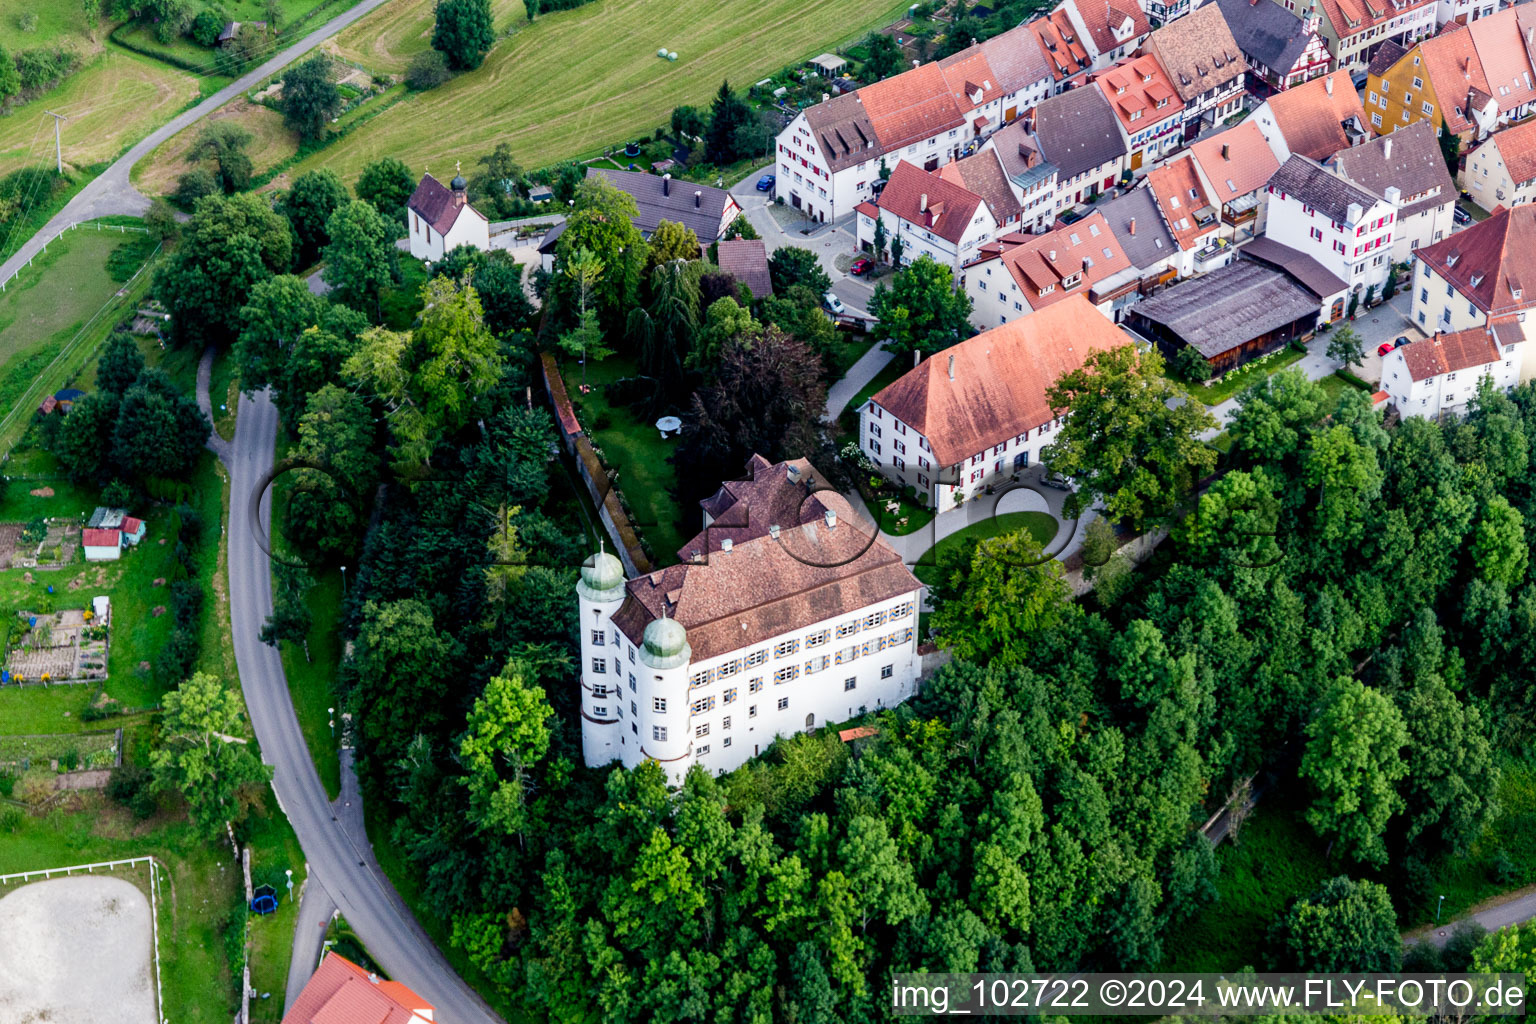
1041,526
845,351
203,887
583,78
1240,378
1276,856
639,454
224,393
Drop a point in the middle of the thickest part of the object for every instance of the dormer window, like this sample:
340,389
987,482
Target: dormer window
1068,282
1477,279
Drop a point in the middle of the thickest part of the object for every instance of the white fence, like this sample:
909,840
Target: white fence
154,900
119,228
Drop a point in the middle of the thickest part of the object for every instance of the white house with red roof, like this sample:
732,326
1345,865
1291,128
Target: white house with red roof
1481,276
102,545
1022,274
934,215
1442,374
1347,226
1502,171
1149,109
829,155
440,219
340,992
976,414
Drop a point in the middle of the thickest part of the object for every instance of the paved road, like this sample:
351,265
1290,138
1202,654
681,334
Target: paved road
1517,908
112,192
334,845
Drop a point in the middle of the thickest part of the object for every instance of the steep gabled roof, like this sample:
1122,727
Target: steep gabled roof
1351,17
1267,32
1016,59
1086,249
1506,64
1236,161
1447,353
1451,64
843,131
1139,92
1078,131
1064,50
746,259
1189,212
998,385
983,175
1387,54
910,107
1105,18
436,204
1139,227
1326,191
1517,146
1488,262
1023,158
1409,159
340,992
928,200
1312,118
1198,51
699,208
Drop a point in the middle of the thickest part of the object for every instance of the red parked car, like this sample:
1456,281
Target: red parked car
1384,348
860,266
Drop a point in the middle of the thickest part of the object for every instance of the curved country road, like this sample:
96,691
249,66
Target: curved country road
112,193
338,855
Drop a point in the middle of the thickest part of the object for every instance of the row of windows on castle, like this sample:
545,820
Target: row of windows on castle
759,657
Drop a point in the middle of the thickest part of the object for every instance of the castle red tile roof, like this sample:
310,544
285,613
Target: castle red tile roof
910,107
1312,119
973,395
1447,353
928,200
340,992
1352,17
1488,261
769,563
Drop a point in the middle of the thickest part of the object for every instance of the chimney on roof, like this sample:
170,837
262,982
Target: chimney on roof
951,367
373,977
726,544
1132,228
1226,151
831,518
773,531
922,203
1051,255
698,198
1392,194
1386,148
1352,215
1328,84
666,184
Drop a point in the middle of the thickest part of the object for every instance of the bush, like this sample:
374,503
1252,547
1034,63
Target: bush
41,69
427,70
27,22
194,185
117,495
130,785
206,28
101,709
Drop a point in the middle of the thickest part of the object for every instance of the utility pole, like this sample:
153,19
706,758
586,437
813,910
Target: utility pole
58,143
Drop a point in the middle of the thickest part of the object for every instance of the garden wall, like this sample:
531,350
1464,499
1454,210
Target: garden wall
610,506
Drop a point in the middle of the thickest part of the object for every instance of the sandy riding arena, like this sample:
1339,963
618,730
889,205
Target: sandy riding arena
76,951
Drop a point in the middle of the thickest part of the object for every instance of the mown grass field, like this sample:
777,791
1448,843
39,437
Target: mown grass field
576,81
112,101
158,173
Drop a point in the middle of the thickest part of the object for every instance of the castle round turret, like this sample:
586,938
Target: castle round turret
665,644
602,578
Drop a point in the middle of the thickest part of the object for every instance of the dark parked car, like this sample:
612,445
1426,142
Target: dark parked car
860,266
1401,341
1461,216
765,183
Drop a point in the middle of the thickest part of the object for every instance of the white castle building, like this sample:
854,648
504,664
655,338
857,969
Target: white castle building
783,615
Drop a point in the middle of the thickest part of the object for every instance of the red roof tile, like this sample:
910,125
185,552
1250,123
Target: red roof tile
1506,64
999,379
1135,89
1311,118
1059,41
1517,146
1181,198
1042,263
1112,23
102,538
1488,261
340,992
1236,162
1452,65
910,107
926,199
1447,353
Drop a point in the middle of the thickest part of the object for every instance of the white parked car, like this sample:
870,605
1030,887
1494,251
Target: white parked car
833,303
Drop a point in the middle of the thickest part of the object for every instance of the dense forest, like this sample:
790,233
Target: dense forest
1345,606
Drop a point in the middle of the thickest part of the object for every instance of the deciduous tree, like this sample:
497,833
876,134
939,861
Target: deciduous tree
309,205
360,256
1346,345
995,603
790,265
463,32
508,734
310,100
1344,926
1353,760
386,184
200,754
921,310
224,143
228,247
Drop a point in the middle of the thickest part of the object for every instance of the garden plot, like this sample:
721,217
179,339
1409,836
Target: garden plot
77,950
61,647
39,544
